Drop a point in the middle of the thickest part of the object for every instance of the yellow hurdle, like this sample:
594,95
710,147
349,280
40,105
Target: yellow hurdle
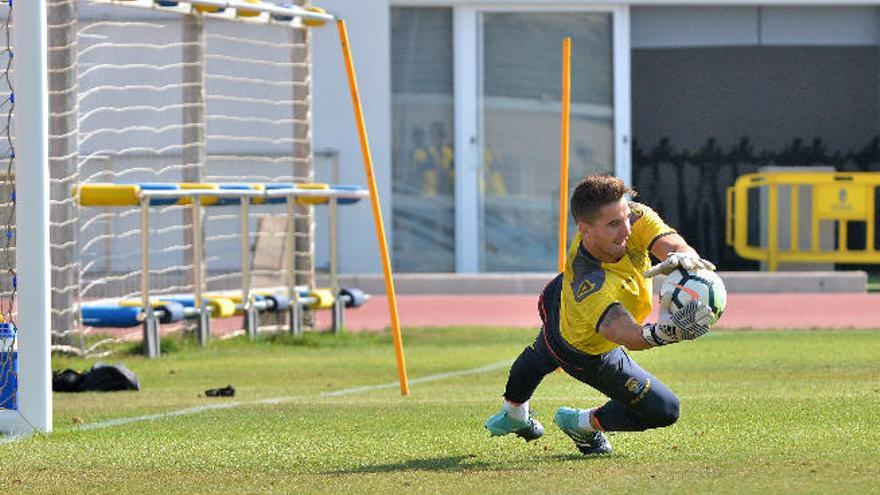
258,200
220,307
323,299
314,22
103,194
235,297
136,303
206,200
312,200
107,194
242,12
207,9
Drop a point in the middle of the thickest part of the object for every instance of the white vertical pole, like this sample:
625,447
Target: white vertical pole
622,97
468,149
32,212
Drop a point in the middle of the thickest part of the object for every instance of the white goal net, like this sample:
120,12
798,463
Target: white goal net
155,95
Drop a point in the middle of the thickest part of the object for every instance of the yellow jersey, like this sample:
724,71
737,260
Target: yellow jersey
590,287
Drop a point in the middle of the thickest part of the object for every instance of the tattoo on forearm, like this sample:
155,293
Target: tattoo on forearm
613,314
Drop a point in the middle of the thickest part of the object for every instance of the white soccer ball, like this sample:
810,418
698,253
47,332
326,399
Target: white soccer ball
683,285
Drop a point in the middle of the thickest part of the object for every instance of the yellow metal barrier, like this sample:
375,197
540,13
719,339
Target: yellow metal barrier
839,198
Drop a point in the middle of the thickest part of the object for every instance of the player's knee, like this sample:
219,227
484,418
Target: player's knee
666,413
670,412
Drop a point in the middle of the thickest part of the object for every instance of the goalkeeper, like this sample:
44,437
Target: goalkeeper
597,307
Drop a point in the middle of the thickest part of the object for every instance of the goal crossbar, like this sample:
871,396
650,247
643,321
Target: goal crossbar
229,8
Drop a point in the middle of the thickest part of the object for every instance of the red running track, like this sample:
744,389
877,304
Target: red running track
758,311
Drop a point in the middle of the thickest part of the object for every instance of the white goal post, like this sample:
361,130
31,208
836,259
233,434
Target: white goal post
32,411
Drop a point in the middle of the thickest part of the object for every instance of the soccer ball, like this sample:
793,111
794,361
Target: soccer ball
683,285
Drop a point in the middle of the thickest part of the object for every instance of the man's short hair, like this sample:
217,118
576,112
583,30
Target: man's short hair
593,192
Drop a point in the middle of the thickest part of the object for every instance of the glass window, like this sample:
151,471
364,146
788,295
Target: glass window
422,143
520,115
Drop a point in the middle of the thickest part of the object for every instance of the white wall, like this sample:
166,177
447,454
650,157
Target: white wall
369,31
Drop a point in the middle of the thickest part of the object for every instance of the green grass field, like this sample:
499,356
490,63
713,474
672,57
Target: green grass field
762,412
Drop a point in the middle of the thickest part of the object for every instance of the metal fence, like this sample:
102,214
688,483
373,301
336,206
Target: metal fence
687,187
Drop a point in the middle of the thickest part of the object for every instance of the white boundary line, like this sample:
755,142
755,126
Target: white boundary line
275,400
424,379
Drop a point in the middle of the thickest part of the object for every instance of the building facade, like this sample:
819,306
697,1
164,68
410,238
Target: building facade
462,102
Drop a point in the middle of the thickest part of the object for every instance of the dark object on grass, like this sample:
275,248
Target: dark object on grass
101,378
66,381
226,391
109,377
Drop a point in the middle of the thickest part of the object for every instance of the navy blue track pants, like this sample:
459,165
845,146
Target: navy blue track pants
638,400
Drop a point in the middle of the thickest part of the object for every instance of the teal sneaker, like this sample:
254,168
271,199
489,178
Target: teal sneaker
502,424
588,442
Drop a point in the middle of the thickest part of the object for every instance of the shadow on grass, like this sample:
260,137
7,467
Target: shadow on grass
589,458
454,463
461,463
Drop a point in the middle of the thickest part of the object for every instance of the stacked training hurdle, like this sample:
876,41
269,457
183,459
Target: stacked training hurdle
171,308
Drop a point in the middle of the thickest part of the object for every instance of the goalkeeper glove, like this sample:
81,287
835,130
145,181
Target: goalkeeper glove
688,261
686,323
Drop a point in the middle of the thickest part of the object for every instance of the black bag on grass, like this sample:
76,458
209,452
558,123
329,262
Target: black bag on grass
109,377
66,381
101,378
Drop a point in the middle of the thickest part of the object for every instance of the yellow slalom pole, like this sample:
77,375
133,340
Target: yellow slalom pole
563,155
374,200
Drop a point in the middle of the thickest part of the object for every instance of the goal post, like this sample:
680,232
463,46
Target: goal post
27,280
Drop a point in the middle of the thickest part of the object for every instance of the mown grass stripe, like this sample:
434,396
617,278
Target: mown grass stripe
274,400
424,379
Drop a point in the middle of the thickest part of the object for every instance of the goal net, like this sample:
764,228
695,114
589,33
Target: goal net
147,94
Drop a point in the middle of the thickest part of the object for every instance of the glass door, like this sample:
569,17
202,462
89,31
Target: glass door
423,166
518,128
